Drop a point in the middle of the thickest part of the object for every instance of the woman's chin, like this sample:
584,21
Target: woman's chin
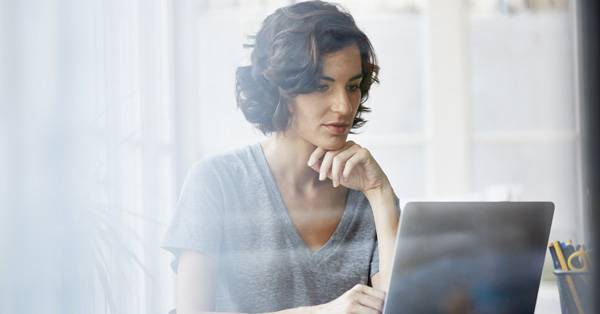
333,143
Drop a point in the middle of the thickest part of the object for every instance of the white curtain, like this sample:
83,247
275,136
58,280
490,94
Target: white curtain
86,156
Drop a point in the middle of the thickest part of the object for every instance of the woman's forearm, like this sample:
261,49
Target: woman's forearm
386,217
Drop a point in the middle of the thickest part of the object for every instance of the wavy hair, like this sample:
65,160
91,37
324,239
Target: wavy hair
286,61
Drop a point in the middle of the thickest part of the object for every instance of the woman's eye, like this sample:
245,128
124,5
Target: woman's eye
322,88
353,88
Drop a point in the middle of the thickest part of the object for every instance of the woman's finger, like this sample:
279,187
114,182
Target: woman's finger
371,301
339,161
372,291
325,165
356,158
362,309
315,156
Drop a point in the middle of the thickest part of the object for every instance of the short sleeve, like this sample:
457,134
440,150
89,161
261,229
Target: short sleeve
375,258
196,224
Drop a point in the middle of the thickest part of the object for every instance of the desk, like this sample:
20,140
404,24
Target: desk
548,300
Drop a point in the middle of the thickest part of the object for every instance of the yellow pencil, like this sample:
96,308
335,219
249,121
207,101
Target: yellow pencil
563,266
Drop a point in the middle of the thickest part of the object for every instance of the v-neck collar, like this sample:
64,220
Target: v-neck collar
336,237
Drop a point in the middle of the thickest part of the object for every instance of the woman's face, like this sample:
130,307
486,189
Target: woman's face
324,117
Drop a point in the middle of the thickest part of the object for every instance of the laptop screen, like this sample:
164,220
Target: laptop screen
475,257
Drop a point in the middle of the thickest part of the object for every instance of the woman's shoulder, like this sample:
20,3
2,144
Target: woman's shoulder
235,161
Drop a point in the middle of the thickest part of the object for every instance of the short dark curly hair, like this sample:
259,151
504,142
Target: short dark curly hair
286,61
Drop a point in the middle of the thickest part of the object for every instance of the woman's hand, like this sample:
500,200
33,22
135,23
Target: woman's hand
361,299
352,166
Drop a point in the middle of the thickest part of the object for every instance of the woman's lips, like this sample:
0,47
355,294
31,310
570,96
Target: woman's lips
336,129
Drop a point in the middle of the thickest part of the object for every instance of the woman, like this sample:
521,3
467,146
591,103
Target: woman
305,221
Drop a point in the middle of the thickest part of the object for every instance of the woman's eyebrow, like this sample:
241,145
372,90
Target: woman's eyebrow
327,78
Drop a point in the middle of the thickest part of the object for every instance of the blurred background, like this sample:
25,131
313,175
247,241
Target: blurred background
105,105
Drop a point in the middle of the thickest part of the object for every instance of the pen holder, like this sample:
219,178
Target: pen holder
574,288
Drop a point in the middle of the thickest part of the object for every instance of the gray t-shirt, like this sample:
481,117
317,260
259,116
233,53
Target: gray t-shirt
230,207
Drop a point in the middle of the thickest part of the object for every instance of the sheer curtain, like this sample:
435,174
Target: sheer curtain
87,156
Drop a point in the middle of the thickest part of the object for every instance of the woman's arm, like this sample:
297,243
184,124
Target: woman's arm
354,167
196,282
386,218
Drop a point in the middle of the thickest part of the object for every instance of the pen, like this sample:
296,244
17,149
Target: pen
565,250
570,249
570,284
553,255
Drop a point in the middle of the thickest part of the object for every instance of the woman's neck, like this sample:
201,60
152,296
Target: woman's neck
287,156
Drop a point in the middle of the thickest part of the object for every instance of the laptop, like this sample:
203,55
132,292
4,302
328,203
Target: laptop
469,257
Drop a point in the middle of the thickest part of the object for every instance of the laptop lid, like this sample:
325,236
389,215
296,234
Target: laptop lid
469,257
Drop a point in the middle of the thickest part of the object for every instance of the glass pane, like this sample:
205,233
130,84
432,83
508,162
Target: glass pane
397,102
220,124
522,72
404,167
528,172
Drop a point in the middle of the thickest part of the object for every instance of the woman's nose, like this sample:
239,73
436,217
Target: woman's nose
342,104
